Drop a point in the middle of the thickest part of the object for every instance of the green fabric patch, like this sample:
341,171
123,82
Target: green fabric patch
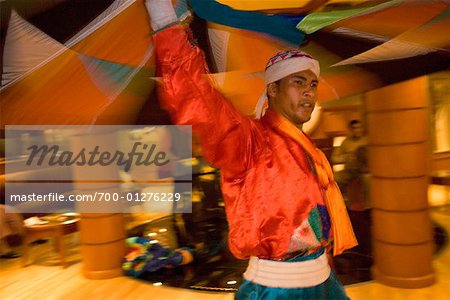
316,21
315,223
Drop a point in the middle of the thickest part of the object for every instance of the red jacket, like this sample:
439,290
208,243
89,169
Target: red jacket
268,182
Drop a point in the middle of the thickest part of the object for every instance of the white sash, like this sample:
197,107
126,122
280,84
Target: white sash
284,274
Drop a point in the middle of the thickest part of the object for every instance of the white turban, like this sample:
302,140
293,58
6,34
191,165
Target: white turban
284,64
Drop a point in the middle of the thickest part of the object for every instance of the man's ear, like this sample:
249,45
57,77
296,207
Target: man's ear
272,90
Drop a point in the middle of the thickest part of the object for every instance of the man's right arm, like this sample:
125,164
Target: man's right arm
187,93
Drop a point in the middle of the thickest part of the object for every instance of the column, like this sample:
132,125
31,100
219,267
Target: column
102,223
397,119
102,238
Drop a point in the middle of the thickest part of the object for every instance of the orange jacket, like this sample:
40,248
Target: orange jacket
268,182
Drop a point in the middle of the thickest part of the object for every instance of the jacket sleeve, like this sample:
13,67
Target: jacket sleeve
227,137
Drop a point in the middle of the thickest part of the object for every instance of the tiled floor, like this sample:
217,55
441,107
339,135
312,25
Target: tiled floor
46,280
439,291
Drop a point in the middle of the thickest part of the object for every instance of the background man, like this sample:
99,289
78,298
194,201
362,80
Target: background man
346,154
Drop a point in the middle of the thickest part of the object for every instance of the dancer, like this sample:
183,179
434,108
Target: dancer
283,207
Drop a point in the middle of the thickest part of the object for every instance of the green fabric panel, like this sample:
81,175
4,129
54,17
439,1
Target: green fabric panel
314,221
316,21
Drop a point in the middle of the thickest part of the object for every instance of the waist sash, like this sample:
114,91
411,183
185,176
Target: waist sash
284,274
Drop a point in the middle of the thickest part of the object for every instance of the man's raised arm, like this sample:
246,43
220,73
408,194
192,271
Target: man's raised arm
190,98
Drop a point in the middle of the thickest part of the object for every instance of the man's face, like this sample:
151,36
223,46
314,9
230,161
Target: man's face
357,130
294,96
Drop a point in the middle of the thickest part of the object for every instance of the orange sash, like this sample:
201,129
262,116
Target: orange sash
344,237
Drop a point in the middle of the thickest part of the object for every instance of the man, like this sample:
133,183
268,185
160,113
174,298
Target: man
278,187
346,154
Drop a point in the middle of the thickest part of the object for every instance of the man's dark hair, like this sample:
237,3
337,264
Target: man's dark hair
353,122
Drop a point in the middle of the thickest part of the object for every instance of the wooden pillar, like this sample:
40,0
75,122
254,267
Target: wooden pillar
102,238
102,224
397,119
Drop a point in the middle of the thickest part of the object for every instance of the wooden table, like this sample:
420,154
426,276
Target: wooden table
57,227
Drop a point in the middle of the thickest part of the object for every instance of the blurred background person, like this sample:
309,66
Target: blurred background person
346,154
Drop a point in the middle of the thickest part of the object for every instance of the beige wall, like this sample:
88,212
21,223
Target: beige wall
334,122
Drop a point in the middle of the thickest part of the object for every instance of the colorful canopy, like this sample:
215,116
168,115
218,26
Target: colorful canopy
102,73
94,77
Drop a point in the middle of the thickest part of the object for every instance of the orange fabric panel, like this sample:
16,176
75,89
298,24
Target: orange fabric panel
242,90
127,105
432,35
406,16
61,92
242,45
252,5
125,39
352,82
243,82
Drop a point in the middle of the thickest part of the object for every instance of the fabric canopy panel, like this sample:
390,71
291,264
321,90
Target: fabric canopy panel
94,78
245,57
254,5
263,4
124,39
395,19
101,75
242,79
53,95
428,37
26,48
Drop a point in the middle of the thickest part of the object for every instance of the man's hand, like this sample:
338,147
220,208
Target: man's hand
161,13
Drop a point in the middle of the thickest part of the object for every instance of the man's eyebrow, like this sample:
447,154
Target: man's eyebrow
298,77
304,78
